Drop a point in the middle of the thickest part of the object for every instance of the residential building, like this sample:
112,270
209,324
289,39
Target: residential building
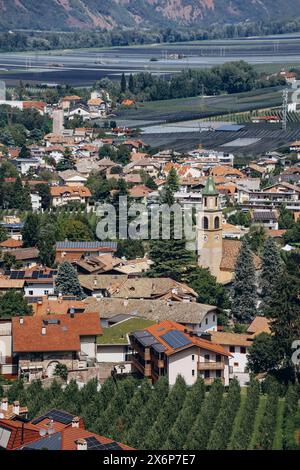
74,251
7,366
40,343
268,218
13,228
122,287
25,164
54,430
72,178
62,195
169,349
238,346
197,317
113,346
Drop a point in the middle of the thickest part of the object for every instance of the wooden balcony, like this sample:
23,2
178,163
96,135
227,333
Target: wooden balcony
145,370
211,365
211,380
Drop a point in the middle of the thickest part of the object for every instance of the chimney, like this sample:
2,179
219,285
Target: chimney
4,404
16,408
21,321
81,444
75,422
44,330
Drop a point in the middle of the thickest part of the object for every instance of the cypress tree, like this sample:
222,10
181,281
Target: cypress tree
166,417
123,83
284,309
46,245
186,418
172,180
199,435
136,435
131,83
67,283
242,435
30,231
270,273
267,425
223,426
244,288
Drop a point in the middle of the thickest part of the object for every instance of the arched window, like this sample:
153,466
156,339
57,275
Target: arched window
217,222
205,223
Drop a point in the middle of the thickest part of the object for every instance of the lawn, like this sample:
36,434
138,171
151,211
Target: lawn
117,334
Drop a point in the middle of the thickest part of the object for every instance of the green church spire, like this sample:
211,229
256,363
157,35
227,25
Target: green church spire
210,187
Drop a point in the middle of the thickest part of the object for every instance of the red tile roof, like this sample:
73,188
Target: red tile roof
71,435
65,336
11,243
21,433
160,329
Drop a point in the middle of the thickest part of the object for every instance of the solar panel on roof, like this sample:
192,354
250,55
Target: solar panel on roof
49,443
158,347
94,444
56,415
176,339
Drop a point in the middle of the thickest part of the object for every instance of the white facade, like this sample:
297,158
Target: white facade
185,363
238,363
6,348
111,353
88,346
209,323
39,290
35,201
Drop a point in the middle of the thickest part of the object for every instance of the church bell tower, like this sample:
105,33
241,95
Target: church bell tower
209,229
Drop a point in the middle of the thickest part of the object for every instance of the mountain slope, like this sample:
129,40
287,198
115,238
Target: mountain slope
66,14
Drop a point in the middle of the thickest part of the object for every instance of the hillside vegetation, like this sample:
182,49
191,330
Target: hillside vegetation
107,14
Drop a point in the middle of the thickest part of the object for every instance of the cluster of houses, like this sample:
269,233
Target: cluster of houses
129,323
54,430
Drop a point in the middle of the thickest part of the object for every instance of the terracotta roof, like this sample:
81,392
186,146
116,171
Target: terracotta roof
95,102
67,439
25,253
128,102
63,336
102,263
231,249
276,233
226,171
34,104
160,329
56,307
230,339
140,191
11,243
81,191
259,325
6,283
20,433
71,98
9,413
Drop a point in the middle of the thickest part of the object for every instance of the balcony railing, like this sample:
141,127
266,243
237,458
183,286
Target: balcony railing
211,365
210,380
143,368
